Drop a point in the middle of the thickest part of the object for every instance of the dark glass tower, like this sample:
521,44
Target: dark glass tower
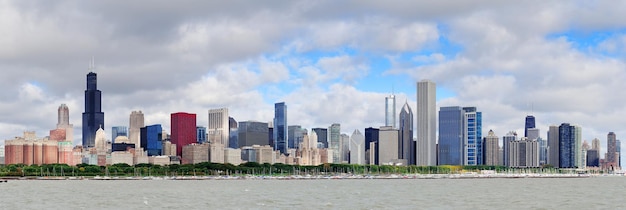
406,145
280,127
93,117
530,123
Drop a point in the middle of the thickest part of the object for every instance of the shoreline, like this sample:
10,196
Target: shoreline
315,177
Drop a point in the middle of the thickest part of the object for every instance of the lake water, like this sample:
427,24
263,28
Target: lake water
522,193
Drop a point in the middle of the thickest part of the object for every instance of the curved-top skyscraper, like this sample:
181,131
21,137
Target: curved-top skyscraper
93,117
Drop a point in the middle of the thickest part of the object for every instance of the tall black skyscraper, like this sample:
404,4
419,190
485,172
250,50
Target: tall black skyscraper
530,123
93,117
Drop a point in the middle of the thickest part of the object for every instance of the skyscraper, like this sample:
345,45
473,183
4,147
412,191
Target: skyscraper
371,136
152,139
569,146
295,135
553,146
451,135
472,139
64,122
334,142
93,117
611,152
136,122
233,139
491,149
322,136
201,134
530,123
280,127
390,111
426,124
357,148
405,142
253,133
118,131
183,130
511,136
219,126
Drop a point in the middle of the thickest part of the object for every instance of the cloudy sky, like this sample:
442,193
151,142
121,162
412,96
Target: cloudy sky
330,61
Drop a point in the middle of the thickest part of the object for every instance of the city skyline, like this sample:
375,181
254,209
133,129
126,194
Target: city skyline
336,69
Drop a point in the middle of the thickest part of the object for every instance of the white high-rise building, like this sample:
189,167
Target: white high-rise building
390,111
218,128
357,148
136,122
426,152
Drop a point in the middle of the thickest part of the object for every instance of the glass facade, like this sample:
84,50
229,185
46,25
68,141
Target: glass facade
530,123
567,146
93,117
390,111
451,134
201,134
252,133
152,139
322,136
280,127
295,136
335,142
473,150
118,131
371,135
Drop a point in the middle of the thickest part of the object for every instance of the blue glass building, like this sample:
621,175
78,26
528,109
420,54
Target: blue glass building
530,123
567,146
152,139
473,147
322,136
118,131
372,135
451,123
281,141
93,117
201,134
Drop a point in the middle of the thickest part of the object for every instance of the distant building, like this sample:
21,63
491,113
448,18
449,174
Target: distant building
334,142
93,117
472,139
201,134
569,146
371,145
183,130
427,124
506,139
308,154
530,123
388,147
281,141
451,133
252,133
232,156
295,134
233,141
390,111
136,122
491,149
523,153
357,148
118,131
406,145
64,123
30,150
152,139
345,148
611,160
195,153
218,128
553,146
322,136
